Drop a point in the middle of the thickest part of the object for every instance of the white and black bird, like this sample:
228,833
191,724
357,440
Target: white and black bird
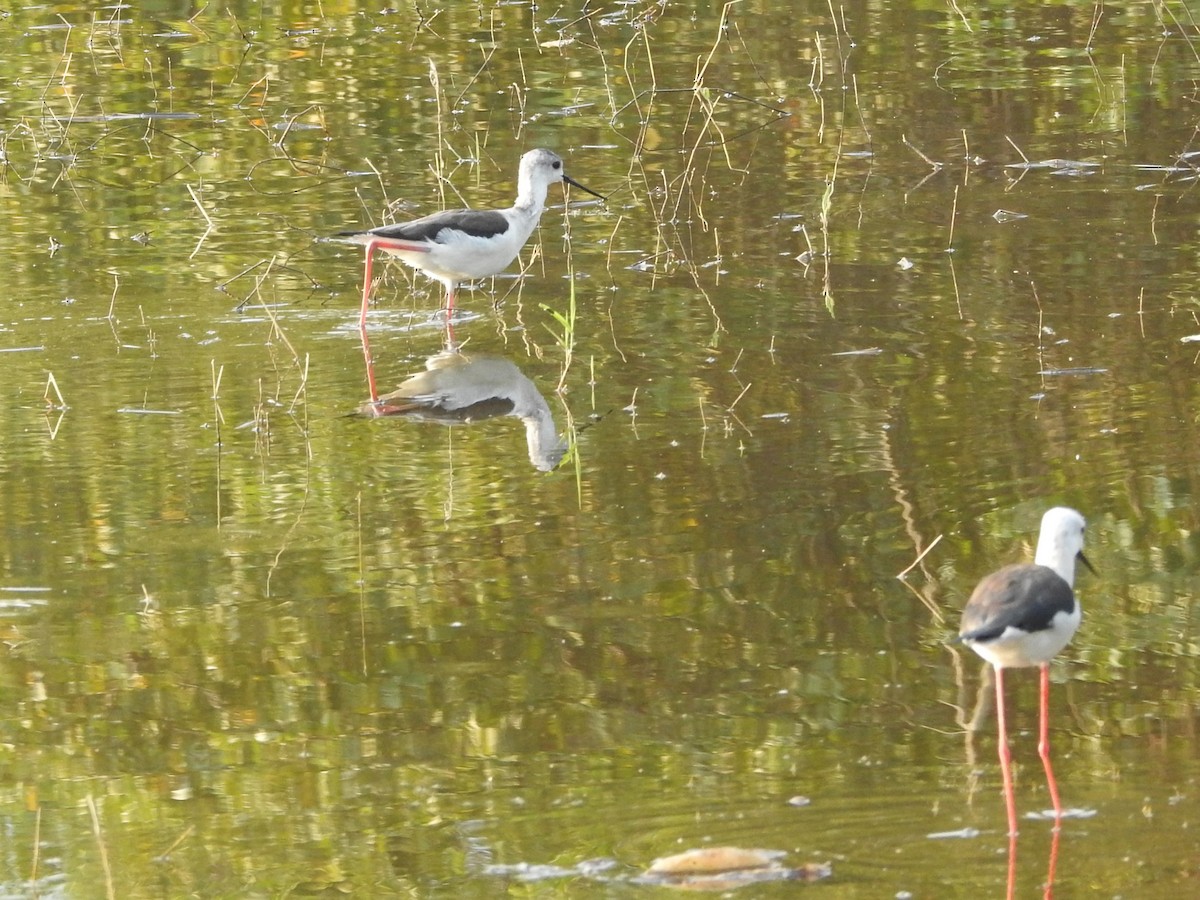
458,388
1024,615
458,245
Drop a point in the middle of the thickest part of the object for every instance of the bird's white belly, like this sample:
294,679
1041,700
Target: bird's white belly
459,257
1015,648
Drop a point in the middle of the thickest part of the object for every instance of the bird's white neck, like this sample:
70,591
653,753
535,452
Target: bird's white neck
1054,553
531,197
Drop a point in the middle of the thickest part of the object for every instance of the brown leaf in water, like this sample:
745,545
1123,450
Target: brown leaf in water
728,868
714,859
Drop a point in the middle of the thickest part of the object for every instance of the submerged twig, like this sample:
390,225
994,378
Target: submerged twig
953,218
1013,144
933,164
37,843
52,384
738,398
187,832
916,562
108,881
207,218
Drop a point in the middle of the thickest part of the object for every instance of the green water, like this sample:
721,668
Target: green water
864,283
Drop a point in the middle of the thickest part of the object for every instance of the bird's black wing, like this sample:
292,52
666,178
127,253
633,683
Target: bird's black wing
1020,596
482,223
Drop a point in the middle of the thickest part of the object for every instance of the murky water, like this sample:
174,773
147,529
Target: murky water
903,277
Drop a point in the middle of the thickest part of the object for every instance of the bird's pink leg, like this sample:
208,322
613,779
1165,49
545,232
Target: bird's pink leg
1010,801
368,269
1012,866
1044,744
1048,894
362,319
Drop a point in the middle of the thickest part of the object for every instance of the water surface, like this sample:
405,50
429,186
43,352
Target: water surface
860,284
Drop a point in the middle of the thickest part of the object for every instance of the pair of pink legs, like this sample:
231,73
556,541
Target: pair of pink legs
1043,748
368,271
1010,802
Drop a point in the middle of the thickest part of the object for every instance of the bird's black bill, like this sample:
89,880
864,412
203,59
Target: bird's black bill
1083,559
571,181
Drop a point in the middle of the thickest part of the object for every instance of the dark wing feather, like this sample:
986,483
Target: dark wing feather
483,223
1021,596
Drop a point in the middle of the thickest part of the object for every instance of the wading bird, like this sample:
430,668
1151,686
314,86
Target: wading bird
458,245
1023,615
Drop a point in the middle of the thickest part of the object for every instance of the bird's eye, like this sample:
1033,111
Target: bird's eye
557,164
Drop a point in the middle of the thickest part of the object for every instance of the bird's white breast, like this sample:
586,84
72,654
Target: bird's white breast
458,256
1015,648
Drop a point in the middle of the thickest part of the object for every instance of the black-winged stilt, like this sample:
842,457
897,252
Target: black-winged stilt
1023,615
458,388
457,245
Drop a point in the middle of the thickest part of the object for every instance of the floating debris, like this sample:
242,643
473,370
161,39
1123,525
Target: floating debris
960,833
134,117
523,871
1066,166
1048,815
1077,370
570,110
1007,215
1170,170
714,859
726,868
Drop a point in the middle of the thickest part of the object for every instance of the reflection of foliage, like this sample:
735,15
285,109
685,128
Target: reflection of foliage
703,612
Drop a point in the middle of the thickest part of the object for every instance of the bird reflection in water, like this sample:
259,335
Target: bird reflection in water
460,389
